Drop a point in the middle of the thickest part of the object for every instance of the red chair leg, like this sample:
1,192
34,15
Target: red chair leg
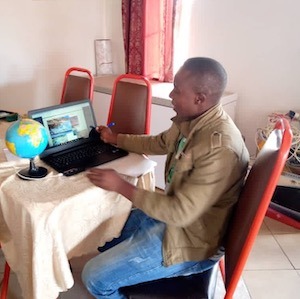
222,268
5,281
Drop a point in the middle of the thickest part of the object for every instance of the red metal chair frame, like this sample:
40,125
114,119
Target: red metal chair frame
5,281
134,80
232,273
282,218
67,77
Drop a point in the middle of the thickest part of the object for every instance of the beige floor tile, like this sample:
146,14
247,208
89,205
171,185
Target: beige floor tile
277,227
78,291
290,244
264,230
241,291
275,284
266,254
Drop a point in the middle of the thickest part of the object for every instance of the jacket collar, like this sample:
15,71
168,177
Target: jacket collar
187,128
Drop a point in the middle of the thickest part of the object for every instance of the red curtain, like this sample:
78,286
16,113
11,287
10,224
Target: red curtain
148,37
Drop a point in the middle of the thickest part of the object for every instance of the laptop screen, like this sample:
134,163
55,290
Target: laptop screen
67,124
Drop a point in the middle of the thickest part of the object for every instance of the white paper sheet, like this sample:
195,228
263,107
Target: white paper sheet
133,165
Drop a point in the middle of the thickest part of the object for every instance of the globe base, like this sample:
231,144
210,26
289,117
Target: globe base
33,172
38,173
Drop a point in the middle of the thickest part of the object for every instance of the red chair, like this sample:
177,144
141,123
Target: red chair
130,106
77,87
5,281
243,228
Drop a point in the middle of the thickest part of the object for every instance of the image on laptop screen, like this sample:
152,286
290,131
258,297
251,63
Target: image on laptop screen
66,124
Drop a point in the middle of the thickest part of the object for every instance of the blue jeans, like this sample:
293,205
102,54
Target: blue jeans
134,257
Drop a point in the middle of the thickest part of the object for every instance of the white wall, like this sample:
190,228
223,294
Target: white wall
258,43
39,40
113,29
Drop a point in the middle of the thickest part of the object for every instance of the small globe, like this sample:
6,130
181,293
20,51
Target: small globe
26,138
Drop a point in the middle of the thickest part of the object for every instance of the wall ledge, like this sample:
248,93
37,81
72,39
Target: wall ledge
160,90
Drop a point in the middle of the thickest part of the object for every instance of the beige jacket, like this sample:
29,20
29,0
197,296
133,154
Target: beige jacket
206,183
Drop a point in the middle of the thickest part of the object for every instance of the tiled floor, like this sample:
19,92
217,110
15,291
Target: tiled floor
272,270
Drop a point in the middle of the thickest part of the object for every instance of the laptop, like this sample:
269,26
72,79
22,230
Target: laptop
73,143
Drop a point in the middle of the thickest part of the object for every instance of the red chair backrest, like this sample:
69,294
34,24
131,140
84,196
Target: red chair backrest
130,106
76,87
254,201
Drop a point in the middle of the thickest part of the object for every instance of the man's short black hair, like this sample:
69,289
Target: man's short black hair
210,76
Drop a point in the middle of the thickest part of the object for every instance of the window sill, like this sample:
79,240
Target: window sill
160,90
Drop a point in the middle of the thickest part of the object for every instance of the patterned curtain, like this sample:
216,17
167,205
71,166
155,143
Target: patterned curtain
148,37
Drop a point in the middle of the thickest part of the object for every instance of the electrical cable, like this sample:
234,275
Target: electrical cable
263,133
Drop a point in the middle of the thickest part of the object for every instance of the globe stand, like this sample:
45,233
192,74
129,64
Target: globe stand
33,172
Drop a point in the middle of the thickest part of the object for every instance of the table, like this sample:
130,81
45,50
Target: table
45,223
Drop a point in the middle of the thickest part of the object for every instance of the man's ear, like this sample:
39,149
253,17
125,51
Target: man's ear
200,98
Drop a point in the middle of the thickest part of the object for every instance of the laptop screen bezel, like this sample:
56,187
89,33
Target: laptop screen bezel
35,113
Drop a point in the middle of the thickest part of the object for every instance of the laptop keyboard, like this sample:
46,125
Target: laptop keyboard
80,155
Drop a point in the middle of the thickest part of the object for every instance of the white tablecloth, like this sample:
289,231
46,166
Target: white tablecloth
44,223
